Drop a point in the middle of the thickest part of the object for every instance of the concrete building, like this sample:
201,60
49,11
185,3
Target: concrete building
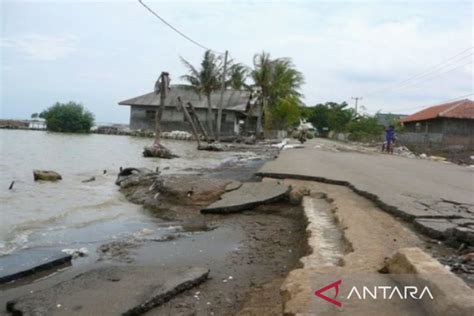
444,127
237,115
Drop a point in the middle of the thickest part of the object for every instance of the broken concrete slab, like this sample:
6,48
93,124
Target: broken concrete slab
171,288
130,290
30,261
248,196
456,231
437,228
233,185
413,267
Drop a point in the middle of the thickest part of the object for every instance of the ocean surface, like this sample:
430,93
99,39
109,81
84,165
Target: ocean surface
70,213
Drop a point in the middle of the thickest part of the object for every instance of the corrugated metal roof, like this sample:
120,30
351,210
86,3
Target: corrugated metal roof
463,109
233,99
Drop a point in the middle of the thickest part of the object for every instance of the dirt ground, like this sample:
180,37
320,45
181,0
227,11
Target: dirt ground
273,241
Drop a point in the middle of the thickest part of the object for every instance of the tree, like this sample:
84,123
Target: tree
205,80
238,75
274,80
68,117
330,116
284,114
34,115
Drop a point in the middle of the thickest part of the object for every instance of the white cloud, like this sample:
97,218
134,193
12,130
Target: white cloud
42,47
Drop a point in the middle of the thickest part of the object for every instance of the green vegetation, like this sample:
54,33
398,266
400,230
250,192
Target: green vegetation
339,118
34,115
205,80
68,117
284,114
277,83
365,128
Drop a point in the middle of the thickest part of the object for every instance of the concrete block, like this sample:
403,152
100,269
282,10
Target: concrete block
412,266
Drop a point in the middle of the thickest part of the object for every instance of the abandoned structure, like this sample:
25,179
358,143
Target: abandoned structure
444,127
237,114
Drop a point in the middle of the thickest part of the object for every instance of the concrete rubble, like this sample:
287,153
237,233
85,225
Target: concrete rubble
122,291
248,196
46,175
50,259
350,240
412,266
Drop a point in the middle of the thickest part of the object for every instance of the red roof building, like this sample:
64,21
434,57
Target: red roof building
444,127
463,109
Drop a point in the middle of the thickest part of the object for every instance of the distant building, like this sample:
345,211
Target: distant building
385,119
236,114
448,126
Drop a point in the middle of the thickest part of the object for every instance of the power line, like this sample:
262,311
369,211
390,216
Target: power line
430,77
176,30
425,72
438,103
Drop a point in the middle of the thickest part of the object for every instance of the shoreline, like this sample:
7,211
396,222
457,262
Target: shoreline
251,238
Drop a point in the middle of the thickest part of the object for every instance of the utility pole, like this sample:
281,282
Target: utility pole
356,100
221,103
161,87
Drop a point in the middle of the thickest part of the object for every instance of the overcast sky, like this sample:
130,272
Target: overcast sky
99,53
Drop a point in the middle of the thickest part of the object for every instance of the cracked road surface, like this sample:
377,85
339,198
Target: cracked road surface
437,197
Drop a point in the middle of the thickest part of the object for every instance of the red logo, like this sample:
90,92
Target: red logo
319,293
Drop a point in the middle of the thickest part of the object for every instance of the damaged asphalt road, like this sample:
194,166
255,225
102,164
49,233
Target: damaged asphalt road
437,197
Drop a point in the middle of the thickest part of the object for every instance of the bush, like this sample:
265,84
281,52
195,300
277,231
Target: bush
285,113
68,117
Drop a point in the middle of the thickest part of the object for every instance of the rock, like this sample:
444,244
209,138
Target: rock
46,175
158,151
88,180
133,176
423,156
212,147
251,140
248,196
296,195
81,252
413,267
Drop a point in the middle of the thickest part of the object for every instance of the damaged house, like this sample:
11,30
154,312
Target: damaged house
238,116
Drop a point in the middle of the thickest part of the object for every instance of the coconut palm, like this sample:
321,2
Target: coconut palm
205,80
274,79
237,76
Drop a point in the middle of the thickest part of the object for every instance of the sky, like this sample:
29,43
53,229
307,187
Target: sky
100,53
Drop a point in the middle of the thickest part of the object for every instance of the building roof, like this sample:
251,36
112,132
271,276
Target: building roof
463,109
234,100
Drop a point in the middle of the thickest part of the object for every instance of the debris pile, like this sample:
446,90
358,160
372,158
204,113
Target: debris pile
178,135
403,151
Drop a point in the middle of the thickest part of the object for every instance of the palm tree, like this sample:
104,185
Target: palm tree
205,80
238,76
262,77
274,79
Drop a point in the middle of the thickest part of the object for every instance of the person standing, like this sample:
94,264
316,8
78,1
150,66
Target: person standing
389,138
